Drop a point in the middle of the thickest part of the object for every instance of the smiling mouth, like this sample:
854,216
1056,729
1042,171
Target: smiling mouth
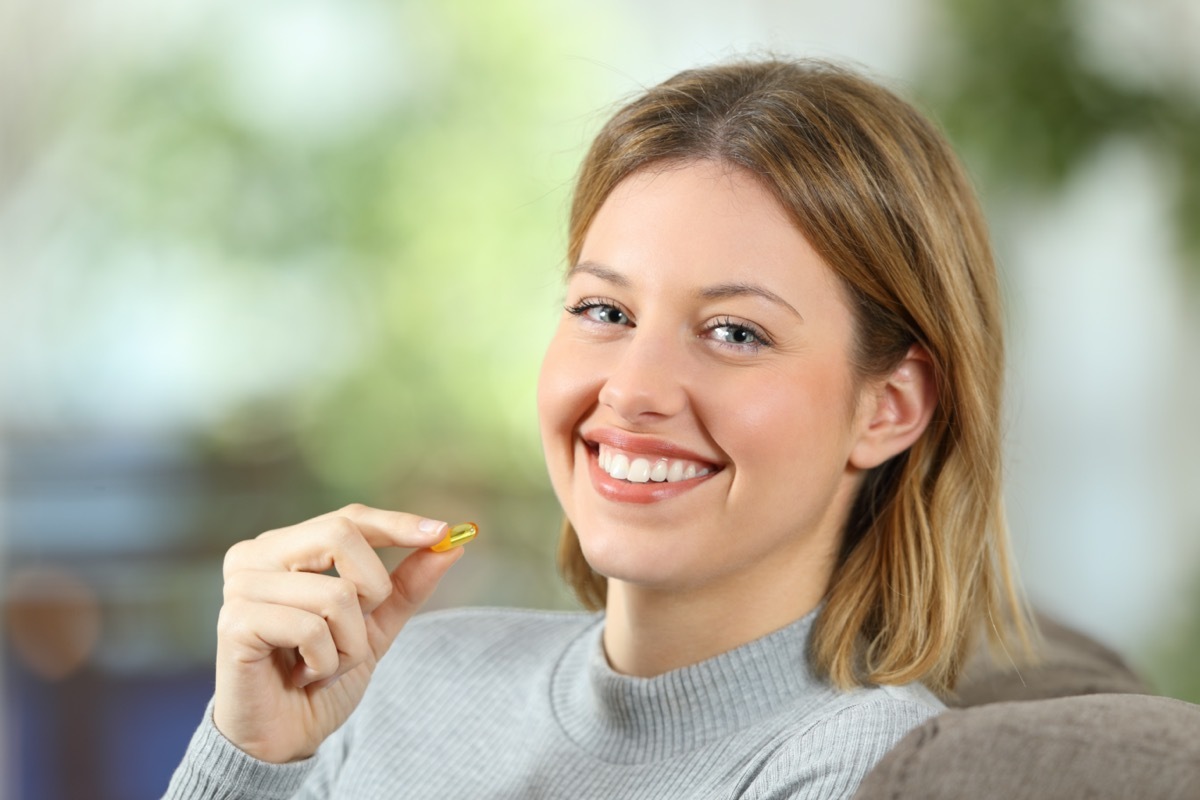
631,467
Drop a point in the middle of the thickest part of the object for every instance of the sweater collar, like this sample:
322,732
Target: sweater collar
628,720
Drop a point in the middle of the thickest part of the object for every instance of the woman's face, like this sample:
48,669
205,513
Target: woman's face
698,408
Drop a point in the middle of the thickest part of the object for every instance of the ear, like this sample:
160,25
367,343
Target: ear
896,411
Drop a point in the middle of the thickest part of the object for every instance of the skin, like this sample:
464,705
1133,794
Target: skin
685,267
296,647
681,266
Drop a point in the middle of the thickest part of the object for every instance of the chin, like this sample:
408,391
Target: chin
650,559
632,559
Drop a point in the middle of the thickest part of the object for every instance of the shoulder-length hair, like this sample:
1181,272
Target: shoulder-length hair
879,193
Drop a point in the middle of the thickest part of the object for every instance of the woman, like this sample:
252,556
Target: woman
771,415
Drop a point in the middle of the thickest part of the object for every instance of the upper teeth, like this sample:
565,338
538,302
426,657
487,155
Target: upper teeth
640,469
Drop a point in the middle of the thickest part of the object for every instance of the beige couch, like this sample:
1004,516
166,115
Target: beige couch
1079,724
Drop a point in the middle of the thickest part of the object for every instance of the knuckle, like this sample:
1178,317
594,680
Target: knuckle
312,630
352,510
269,534
342,531
343,594
231,620
379,589
235,585
235,556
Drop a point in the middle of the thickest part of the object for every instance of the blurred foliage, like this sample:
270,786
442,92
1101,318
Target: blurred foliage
437,212
1176,658
403,169
1022,90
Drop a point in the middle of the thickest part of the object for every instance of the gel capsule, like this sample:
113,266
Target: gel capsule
457,537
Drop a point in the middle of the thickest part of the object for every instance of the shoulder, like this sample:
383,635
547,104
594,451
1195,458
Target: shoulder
865,719
830,754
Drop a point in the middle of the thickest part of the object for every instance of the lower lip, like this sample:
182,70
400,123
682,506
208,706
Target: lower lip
625,492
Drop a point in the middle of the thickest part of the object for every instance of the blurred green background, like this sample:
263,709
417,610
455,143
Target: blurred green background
261,260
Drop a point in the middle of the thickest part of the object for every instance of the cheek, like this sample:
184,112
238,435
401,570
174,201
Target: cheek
786,424
566,389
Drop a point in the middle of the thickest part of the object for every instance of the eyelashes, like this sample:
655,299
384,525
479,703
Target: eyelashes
740,334
599,310
724,331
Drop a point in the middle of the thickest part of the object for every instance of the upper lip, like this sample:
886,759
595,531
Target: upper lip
643,445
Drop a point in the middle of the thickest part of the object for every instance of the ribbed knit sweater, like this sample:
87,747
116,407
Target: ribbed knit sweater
488,703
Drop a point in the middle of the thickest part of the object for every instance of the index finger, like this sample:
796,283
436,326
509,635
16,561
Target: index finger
381,527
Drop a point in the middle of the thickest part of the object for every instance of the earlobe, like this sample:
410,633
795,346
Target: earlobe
897,411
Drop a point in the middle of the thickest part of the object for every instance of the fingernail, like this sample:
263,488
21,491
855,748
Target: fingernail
430,526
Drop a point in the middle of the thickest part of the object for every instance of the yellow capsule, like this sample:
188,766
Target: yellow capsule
457,537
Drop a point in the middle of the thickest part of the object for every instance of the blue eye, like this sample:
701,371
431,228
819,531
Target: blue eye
734,334
737,335
599,311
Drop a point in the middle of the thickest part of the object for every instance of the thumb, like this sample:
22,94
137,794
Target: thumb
413,581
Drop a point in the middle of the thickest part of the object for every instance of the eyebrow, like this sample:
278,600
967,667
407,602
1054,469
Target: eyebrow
740,289
719,291
602,272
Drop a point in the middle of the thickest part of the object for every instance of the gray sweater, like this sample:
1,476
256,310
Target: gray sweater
488,703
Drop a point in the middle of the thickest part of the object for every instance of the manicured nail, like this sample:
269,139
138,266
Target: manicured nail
430,526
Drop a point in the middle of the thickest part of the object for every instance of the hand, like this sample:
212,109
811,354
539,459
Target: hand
296,647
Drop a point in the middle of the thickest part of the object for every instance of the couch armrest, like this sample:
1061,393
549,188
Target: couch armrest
1102,747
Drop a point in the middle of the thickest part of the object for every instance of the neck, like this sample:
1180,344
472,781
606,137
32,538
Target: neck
650,631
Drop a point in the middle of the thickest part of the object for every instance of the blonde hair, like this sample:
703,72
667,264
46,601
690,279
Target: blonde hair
876,189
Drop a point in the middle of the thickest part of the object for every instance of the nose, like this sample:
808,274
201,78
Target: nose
647,380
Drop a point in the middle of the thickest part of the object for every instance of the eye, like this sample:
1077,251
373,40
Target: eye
734,334
738,335
600,311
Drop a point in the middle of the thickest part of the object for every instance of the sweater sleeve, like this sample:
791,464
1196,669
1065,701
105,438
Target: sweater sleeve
213,768
830,759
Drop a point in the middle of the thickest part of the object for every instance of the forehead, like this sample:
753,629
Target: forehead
700,223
